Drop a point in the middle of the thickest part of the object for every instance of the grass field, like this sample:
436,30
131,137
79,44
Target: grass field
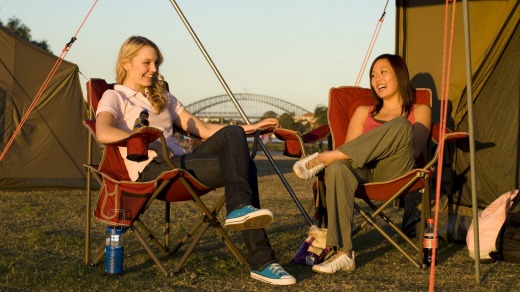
42,248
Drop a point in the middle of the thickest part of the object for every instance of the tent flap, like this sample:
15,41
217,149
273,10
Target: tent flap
51,147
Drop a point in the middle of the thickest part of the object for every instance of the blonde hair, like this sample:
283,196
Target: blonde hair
156,92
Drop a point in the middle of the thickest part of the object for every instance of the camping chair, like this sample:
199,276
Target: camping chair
343,102
119,192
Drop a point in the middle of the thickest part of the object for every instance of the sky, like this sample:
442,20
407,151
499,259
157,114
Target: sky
294,50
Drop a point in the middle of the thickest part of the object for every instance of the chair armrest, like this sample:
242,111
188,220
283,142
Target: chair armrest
294,141
138,141
149,134
449,135
317,135
260,131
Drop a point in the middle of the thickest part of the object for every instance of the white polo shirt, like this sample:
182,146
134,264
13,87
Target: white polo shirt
126,104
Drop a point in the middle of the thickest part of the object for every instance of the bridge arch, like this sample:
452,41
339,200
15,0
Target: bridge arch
254,105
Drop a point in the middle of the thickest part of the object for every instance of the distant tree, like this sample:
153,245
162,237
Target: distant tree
320,115
287,121
15,25
269,114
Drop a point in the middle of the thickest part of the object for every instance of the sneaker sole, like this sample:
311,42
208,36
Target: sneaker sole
255,220
317,270
287,281
299,172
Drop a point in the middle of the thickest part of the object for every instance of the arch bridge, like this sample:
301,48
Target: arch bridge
253,105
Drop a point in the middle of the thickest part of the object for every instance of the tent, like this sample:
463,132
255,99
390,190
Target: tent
495,47
51,147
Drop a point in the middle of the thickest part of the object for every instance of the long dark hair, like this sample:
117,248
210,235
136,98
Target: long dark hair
405,88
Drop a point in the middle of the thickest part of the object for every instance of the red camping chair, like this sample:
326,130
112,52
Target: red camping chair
343,101
119,192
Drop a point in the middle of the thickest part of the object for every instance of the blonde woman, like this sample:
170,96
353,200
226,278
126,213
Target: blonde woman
222,160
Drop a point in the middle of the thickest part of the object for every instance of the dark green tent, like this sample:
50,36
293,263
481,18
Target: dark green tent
52,145
495,50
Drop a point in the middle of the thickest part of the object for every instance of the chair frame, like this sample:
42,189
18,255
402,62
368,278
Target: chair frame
176,177
415,180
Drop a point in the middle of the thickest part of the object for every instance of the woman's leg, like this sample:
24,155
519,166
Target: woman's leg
223,161
388,148
239,176
341,181
234,167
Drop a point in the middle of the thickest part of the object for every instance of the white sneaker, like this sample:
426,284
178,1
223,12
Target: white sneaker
336,263
308,167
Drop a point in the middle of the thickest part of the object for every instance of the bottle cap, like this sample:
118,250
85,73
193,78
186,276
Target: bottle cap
430,220
113,230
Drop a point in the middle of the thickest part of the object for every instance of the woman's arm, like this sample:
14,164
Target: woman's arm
421,127
357,123
355,129
263,123
195,126
106,131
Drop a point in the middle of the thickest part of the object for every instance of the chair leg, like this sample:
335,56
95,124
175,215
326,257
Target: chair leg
372,222
213,221
98,255
190,249
187,236
200,229
87,219
149,250
167,224
425,213
196,227
391,224
149,234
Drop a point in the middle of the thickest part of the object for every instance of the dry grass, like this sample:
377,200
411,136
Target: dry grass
43,238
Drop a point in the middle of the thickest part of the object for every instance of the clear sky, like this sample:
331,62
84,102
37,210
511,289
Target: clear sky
293,50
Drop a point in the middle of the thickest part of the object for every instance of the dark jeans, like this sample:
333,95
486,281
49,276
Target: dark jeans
223,161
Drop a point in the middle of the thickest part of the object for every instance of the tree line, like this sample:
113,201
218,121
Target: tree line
287,120
16,26
290,121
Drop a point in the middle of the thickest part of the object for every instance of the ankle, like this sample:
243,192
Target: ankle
340,252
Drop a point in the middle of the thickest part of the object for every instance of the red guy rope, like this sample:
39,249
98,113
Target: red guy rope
447,56
371,45
44,85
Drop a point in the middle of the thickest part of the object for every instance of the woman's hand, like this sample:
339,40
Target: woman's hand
263,124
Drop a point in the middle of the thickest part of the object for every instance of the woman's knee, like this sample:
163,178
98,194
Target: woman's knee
402,123
336,168
234,131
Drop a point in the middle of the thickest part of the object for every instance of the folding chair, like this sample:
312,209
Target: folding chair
343,102
119,192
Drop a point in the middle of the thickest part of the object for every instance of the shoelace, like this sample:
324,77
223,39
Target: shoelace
312,163
277,269
339,264
250,207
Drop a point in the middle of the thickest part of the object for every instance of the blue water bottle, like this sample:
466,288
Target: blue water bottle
114,251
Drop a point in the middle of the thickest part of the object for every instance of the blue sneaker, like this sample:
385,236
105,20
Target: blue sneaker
273,274
248,217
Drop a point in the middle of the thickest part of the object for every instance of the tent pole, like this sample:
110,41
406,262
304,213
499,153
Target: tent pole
469,104
239,108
